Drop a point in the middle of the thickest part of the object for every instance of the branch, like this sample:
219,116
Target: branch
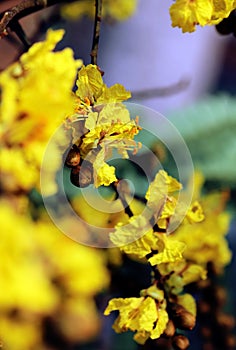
121,195
96,31
24,8
25,5
160,92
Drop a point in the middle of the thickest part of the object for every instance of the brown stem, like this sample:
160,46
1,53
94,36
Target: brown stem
96,31
24,8
11,13
160,91
121,196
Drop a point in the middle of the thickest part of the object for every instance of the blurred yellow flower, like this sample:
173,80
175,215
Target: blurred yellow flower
207,240
45,276
186,14
31,115
119,10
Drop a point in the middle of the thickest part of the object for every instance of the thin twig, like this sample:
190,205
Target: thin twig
11,13
96,31
17,28
122,198
24,8
161,91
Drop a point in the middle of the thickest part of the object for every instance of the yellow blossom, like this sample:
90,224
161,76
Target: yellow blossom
180,273
168,250
45,274
133,232
31,115
140,247
105,174
160,206
90,85
162,185
207,241
101,123
119,10
186,14
188,302
143,315
195,212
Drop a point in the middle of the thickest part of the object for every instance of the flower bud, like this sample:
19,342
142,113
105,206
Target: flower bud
82,176
182,318
226,321
170,329
206,332
73,158
180,342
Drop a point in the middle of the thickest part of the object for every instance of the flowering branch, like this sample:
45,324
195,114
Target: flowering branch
96,32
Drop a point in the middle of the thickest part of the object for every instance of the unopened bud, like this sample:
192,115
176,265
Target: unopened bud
82,176
230,341
180,342
204,307
182,318
170,329
208,346
226,321
206,332
73,158
220,295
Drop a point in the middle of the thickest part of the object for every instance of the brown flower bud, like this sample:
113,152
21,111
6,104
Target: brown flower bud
204,307
206,332
82,176
230,341
170,329
180,342
208,346
226,321
182,318
220,295
73,158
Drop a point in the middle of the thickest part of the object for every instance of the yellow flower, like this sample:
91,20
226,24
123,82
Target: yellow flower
101,123
188,302
44,274
138,230
180,273
160,206
161,186
195,213
144,315
168,250
207,240
119,10
31,115
186,14
104,175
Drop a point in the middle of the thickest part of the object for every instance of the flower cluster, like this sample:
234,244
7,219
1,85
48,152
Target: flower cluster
163,303
118,10
186,14
100,125
177,259
33,105
208,240
48,282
